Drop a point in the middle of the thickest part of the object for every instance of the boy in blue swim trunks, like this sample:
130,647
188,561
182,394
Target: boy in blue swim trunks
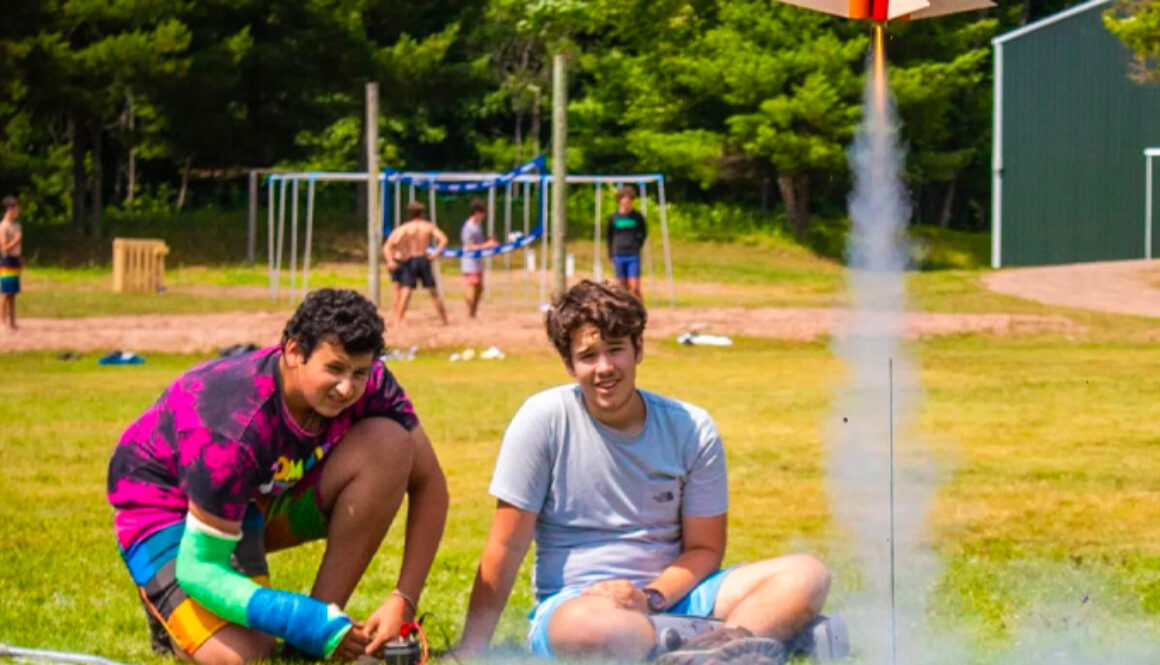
626,235
625,493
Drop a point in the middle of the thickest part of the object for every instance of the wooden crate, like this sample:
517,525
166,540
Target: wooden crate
138,265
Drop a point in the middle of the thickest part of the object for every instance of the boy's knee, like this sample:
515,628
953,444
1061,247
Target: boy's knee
382,444
813,576
576,629
579,627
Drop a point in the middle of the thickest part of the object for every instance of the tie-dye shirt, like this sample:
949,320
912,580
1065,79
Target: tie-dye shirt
221,436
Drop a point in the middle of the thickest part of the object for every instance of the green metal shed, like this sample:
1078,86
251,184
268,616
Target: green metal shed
1070,134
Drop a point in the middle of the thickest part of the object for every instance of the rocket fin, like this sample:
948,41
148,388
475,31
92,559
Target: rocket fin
941,7
835,7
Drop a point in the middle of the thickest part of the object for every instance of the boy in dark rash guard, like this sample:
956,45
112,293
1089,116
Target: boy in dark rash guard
627,233
310,439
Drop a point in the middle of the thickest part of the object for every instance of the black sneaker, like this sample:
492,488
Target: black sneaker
728,645
824,640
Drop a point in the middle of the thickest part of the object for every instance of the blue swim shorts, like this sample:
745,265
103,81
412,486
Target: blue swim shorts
626,266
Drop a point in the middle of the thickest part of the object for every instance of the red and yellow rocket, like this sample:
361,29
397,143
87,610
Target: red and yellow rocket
890,10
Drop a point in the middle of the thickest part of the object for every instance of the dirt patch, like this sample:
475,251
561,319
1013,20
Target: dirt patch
511,329
1119,287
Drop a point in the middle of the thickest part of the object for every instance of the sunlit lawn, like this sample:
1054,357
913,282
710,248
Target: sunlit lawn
1054,493
1051,444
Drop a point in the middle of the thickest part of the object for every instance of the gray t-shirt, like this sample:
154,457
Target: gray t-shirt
472,234
609,505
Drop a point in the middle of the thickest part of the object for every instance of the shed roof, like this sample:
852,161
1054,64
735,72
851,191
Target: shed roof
1044,22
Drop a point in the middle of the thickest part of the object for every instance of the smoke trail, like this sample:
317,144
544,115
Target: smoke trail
869,341
1060,625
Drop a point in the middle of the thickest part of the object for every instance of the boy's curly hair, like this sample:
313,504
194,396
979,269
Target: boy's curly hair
609,308
336,315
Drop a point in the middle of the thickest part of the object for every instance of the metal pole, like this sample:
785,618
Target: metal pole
893,624
384,197
487,262
309,237
281,239
252,217
507,232
1148,207
597,265
398,202
42,655
665,240
374,231
294,239
271,183
435,265
559,168
648,264
527,250
546,221
997,164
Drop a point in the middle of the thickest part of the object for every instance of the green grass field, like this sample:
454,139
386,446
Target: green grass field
1051,444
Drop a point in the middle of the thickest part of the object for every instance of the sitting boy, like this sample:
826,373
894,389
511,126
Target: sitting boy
624,492
310,439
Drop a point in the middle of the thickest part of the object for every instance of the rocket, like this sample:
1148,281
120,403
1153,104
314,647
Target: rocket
890,10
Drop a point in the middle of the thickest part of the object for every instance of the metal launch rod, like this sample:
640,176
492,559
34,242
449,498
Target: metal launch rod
893,626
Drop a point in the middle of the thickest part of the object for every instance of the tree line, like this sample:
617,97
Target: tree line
119,103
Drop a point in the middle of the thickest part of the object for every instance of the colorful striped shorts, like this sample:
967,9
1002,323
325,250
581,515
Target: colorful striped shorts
175,619
10,275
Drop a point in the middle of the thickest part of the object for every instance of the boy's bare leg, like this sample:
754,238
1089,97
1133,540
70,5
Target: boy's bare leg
403,302
439,305
597,626
775,597
772,598
474,291
633,285
361,490
232,645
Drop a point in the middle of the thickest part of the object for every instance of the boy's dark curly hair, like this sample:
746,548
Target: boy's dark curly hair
336,315
608,307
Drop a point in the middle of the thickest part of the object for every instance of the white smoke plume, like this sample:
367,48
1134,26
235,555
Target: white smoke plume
1070,618
877,401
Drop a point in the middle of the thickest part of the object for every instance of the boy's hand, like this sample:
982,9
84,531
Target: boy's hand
392,265
622,592
384,624
353,643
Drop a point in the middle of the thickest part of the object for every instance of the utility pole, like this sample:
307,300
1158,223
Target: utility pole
559,171
374,228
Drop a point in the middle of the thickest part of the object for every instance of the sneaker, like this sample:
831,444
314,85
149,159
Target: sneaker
735,646
674,630
824,640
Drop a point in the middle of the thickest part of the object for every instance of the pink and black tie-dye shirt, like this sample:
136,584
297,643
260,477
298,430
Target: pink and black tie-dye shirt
222,435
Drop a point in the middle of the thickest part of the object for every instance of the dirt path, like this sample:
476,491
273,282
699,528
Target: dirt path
509,330
1119,287
1125,287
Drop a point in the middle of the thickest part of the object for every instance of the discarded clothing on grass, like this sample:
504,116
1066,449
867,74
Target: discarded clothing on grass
698,339
121,358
